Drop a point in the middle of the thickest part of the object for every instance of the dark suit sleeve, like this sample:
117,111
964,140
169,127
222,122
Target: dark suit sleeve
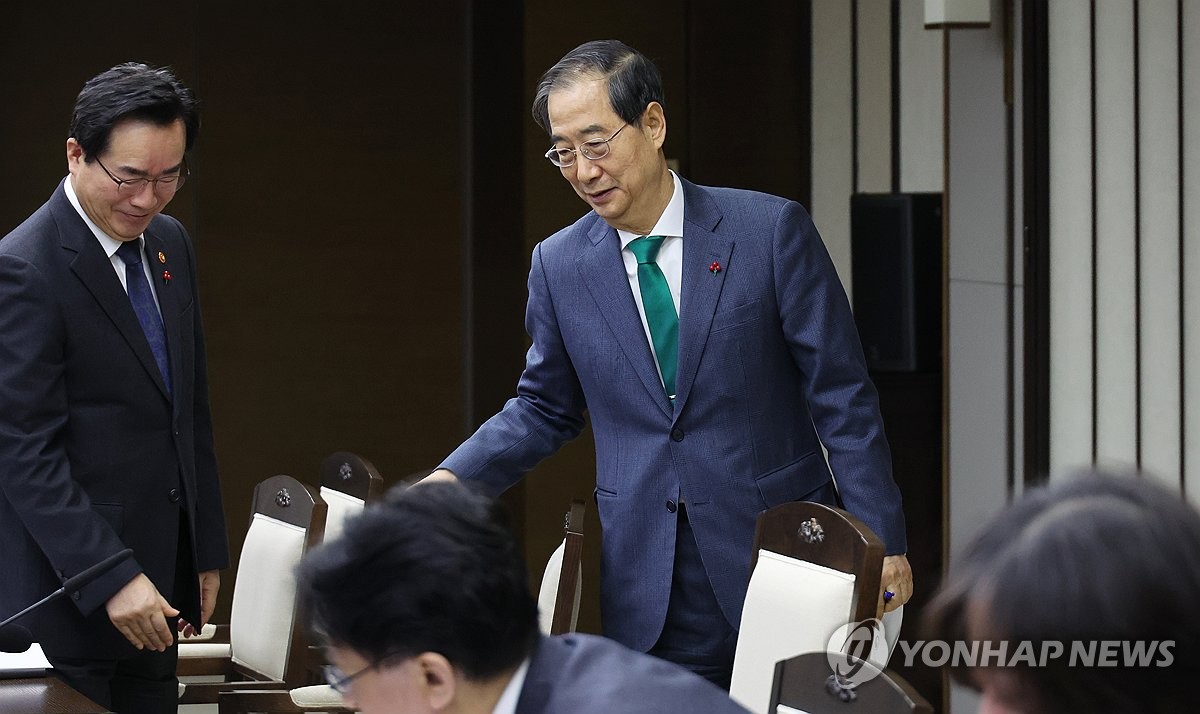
823,339
35,473
546,413
212,549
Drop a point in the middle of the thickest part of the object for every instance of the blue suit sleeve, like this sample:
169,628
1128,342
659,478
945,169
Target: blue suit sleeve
824,342
546,412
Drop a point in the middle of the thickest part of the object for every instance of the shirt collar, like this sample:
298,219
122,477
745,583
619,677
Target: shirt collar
507,703
107,242
670,223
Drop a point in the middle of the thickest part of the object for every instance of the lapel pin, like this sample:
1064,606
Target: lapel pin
714,268
166,276
162,257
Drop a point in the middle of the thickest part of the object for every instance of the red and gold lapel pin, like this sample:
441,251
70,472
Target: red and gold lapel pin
162,257
714,268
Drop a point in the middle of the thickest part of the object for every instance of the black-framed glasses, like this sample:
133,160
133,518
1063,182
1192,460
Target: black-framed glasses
592,150
340,681
132,187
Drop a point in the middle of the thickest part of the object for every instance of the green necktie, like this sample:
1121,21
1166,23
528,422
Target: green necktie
659,307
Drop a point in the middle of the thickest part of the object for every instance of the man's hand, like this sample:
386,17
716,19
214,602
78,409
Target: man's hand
897,579
210,583
140,613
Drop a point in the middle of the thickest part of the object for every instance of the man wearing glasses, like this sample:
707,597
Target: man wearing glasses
706,335
425,606
105,432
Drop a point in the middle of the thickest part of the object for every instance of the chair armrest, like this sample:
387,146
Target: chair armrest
209,633
204,666
207,692
273,702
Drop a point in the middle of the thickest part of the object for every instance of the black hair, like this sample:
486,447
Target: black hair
1096,558
130,91
633,80
432,568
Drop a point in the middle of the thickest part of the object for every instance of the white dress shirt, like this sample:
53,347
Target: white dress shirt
110,244
512,693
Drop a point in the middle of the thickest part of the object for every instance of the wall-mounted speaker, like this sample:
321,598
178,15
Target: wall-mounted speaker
896,264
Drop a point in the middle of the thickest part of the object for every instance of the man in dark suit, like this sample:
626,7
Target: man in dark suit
105,433
425,605
706,334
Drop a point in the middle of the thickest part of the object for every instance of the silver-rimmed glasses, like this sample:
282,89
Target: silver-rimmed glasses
593,150
132,187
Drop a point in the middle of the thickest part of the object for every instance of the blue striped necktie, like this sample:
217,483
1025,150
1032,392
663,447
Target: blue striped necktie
143,305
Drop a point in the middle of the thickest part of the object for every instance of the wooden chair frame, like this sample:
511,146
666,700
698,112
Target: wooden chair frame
800,683
826,536
286,499
569,580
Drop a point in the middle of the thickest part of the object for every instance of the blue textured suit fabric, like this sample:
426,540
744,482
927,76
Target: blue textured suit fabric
770,367
95,455
583,674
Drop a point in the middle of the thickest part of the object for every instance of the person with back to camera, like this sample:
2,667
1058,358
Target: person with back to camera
425,606
706,335
1098,558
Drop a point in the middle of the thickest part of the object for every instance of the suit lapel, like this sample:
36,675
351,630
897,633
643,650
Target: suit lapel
95,271
700,287
603,272
168,301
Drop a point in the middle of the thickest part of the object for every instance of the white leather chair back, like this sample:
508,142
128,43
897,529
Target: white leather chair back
792,607
341,507
264,595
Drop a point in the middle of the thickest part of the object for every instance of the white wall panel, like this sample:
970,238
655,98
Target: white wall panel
831,127
874,96
921,111
1191,241
1159,232
1116,186
1070,237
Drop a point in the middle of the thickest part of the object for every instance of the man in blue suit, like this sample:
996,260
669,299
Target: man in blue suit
706,334
105,433
425,606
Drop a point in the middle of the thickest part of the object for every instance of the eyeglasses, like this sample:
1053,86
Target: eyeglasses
340,681
593,150
133,187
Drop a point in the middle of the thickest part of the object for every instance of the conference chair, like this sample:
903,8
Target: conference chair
814,569
558,605
348,483
806,683
266,648
562,581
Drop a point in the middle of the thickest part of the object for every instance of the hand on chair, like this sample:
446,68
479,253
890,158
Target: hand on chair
896,583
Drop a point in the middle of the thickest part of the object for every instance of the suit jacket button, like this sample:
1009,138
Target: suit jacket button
671,507
677,434
76,595
173,495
